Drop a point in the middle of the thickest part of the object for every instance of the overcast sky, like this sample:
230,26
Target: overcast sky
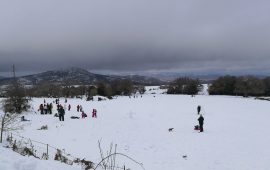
136,35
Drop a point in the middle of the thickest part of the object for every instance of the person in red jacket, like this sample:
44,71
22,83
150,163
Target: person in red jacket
84,115
69,107
94,113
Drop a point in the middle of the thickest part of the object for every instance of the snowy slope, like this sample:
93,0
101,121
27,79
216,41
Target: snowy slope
235,136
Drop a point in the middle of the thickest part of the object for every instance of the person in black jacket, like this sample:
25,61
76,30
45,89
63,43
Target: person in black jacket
61,112
199,109
201,121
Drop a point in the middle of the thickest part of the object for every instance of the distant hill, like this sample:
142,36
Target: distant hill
78,76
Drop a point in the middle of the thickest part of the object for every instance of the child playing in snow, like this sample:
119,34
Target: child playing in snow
94,113
84,115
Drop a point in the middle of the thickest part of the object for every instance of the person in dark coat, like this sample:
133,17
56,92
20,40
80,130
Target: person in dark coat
51,107
78,108
58,106
69,107
201,121
61,113
41,109
199,109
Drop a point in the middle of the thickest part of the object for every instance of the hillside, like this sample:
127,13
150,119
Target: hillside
234,138
77,76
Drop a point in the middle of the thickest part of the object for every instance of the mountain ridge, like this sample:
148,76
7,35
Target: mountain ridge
77,76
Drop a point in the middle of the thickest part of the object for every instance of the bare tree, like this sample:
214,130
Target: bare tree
9,122
15,103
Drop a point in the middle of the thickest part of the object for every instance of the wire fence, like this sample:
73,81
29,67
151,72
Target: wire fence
26,146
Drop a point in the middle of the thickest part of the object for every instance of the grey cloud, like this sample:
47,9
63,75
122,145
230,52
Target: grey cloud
135,35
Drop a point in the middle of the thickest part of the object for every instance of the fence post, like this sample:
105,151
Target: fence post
124,167
11,137
48,151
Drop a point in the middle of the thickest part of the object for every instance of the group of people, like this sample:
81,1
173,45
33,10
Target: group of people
79,108
61,109
47,109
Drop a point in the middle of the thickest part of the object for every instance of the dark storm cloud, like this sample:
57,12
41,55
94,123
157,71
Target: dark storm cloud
136,35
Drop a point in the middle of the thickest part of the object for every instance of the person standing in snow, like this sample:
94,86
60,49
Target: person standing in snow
41,109
199,109
61,113
69,107
201,121
78,108
45,108
94,113
57,106
51,107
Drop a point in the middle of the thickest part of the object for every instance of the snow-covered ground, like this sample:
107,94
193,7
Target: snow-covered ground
10,160
235,138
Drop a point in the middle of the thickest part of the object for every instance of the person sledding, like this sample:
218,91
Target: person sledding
84,115
23,119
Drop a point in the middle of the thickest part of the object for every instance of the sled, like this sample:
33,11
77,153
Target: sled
197,127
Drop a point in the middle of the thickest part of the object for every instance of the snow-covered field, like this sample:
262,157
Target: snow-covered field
235,138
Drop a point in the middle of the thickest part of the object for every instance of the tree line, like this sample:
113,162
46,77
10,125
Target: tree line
240,86
224,85
118,87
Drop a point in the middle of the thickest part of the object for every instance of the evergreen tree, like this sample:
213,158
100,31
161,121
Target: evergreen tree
266,82
16,101
184,85
249,86
224,85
